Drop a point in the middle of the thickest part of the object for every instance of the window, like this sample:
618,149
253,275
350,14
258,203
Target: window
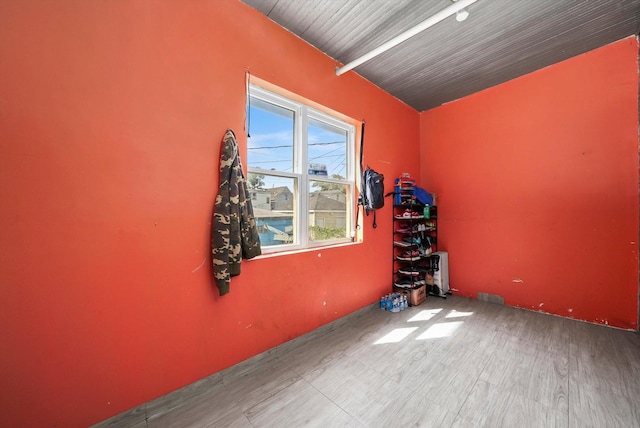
301,168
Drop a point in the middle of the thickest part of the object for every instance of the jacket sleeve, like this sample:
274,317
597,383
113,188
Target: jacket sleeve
221,227
248,229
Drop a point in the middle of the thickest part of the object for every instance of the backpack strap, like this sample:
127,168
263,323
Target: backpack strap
357,215
361,146
360,197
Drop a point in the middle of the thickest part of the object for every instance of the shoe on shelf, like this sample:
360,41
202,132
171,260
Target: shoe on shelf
408,214
409,256
403,229
410,201
424,251
403,283
412,240
409,283
409,270
420,227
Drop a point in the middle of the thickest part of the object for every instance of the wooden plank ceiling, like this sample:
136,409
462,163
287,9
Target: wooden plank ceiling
501,39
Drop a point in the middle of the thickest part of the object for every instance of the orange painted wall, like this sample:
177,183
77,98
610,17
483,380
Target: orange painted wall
111,116
537,181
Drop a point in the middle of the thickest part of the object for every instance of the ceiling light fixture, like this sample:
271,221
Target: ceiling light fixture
461,15
458,5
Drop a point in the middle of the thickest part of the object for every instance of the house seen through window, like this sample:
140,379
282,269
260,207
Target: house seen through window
300,173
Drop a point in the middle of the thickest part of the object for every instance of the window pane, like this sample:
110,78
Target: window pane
271,144
327,211
327,150
274,208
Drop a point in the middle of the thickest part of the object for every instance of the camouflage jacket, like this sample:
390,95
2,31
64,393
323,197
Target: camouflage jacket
234,234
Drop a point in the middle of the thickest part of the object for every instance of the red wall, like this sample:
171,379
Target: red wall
537,181
111,116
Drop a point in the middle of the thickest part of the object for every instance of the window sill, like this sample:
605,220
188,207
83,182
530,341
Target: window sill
319,248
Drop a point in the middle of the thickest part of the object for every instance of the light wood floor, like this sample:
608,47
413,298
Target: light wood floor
446,363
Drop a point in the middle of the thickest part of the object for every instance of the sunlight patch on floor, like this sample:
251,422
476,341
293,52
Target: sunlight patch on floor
456,314
443,329
396,335
424,315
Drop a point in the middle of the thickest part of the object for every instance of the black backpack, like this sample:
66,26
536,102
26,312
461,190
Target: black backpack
372,193
372,190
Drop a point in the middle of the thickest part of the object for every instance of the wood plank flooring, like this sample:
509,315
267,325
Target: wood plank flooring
446,363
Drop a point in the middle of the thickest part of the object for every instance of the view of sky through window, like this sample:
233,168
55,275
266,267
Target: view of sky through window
271,145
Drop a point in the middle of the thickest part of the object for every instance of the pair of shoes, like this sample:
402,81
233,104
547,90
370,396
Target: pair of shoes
409,283
403,229
412,240
409,200
402,283
409,270
408,214
409,256
424,251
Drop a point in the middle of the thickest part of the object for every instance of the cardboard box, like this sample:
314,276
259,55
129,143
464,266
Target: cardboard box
416,296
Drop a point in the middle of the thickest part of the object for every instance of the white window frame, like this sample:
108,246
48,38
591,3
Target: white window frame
302,113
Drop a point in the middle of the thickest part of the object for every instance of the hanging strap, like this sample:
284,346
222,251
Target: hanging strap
375,225
361,146
360,200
